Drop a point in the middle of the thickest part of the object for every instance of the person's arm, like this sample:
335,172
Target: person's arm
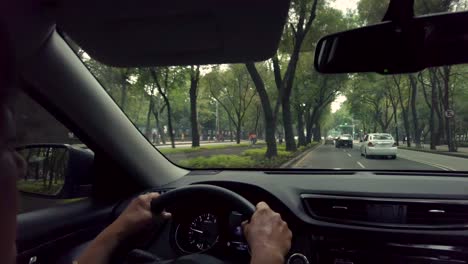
133,219
268,236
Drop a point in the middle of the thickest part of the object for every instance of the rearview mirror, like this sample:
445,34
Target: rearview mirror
391,48
55,171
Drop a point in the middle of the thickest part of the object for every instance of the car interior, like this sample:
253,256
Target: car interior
336,216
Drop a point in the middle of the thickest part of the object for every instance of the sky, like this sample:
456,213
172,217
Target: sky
344,5
336,105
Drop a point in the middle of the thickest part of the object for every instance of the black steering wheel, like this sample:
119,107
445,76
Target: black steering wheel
214,193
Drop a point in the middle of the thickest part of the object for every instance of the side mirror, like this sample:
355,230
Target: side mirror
56,171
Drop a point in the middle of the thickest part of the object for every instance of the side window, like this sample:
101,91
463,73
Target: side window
45,145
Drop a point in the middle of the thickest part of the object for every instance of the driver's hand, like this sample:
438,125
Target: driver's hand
137,216
268,235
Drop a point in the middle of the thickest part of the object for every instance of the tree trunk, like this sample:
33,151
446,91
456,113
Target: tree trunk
169,121
432,126
395,117
310,125
238,133
193,108
448,128
300,129
123,91
288,125
148,117
231,138
397,134
257,117
404,112
317,133
158,126
270,121
414,94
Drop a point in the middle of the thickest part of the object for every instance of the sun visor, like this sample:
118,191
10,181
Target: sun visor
182,32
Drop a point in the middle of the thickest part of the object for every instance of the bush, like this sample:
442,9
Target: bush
251,158
219,161
190,149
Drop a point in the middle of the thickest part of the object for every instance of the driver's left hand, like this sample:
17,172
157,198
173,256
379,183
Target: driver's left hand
137,216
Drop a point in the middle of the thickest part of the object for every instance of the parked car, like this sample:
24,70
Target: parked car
379,144
344,141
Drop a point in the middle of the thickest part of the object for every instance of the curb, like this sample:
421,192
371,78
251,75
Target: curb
453,154
298,157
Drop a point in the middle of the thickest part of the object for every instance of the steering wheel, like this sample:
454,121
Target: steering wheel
220,195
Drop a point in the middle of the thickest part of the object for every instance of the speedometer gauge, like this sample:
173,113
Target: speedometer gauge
203,231
199,235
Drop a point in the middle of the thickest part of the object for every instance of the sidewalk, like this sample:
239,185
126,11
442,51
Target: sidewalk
462,152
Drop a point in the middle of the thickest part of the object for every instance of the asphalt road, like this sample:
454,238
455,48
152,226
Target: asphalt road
329,157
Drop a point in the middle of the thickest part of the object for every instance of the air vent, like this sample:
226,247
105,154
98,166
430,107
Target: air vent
437,214
338,208
388,212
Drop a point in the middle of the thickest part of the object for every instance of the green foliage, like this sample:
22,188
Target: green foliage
372,11
38,187
219,161
208,147
251,158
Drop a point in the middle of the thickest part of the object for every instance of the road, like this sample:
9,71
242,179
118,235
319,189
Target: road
329,157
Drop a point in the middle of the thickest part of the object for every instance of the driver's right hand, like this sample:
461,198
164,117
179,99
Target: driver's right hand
268,235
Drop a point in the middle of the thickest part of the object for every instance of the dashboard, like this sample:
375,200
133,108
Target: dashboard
335,217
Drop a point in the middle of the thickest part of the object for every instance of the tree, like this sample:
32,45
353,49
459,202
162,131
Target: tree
372,11
235,94
403,93
165,78
323,91
194,80
414,93
369,93
268,113
301,17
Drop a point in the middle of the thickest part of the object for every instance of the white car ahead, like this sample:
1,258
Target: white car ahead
379,144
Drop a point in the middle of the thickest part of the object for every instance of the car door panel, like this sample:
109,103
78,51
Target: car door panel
47,234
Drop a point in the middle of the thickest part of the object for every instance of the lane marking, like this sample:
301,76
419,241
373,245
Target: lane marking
349,154
360,164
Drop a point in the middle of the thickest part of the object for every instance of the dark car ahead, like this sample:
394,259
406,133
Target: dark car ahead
344,141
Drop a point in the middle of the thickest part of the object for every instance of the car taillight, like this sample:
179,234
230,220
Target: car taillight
370,144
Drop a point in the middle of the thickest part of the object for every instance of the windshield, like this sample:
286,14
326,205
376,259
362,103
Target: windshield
281,113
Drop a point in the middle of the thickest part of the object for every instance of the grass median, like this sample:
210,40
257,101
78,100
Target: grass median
208,147
251,158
